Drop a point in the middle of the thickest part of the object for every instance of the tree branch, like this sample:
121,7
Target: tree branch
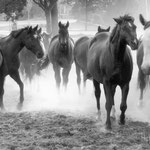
40,4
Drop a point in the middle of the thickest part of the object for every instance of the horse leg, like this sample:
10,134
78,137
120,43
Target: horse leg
57,76
65,74
97,95
84,80
109,101
15,75
113,103
2,79
78,70
123,106
142,85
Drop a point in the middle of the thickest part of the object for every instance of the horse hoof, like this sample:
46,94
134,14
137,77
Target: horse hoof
19,106
108,127
98,117
122,122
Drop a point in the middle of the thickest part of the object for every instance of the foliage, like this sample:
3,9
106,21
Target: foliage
45,4
11,7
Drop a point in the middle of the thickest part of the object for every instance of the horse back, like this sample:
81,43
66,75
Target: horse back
80,52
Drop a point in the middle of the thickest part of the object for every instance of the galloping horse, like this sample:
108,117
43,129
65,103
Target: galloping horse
10,46
143,56
80,55
60,54
29,64
109,62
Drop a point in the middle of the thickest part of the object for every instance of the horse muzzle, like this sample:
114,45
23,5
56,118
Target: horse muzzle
134,44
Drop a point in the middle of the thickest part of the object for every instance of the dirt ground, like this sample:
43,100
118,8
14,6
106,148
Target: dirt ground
50,131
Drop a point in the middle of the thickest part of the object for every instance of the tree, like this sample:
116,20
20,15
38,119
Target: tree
51,13
102,11
9,8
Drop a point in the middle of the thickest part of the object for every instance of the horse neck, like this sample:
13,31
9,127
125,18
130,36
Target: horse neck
118,48
14,47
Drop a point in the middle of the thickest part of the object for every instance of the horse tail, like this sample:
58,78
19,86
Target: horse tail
28,74
143,80
44,63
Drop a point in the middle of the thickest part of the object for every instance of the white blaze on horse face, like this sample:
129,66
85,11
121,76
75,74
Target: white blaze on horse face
146,49
130,25
43,47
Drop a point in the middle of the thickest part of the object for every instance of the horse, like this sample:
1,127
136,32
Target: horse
29,64
143,62
80,55
10,46
109,62
60,54
46,39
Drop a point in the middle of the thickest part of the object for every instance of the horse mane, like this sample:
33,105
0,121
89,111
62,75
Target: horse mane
16,33
114,33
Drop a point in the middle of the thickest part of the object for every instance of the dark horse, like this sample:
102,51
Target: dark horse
109,62
29,64
10,46
143,58
60,54
80,55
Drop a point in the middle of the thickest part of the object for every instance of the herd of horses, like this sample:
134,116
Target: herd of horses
105,59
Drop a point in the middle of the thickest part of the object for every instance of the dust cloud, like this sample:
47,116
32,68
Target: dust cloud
42,95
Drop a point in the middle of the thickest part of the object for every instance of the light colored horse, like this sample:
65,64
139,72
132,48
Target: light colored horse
143,58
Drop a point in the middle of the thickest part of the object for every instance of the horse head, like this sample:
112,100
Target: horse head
63,34
127,30
145,45
100,29
32,39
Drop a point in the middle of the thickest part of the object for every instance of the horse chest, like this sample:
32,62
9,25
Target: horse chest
121,74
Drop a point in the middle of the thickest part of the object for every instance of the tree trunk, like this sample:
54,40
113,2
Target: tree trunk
48,22
54,17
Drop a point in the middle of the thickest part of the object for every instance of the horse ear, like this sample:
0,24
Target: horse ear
59,24
117,20
108,29
99,29
35,28
142,20
67,25
30,29
39,31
